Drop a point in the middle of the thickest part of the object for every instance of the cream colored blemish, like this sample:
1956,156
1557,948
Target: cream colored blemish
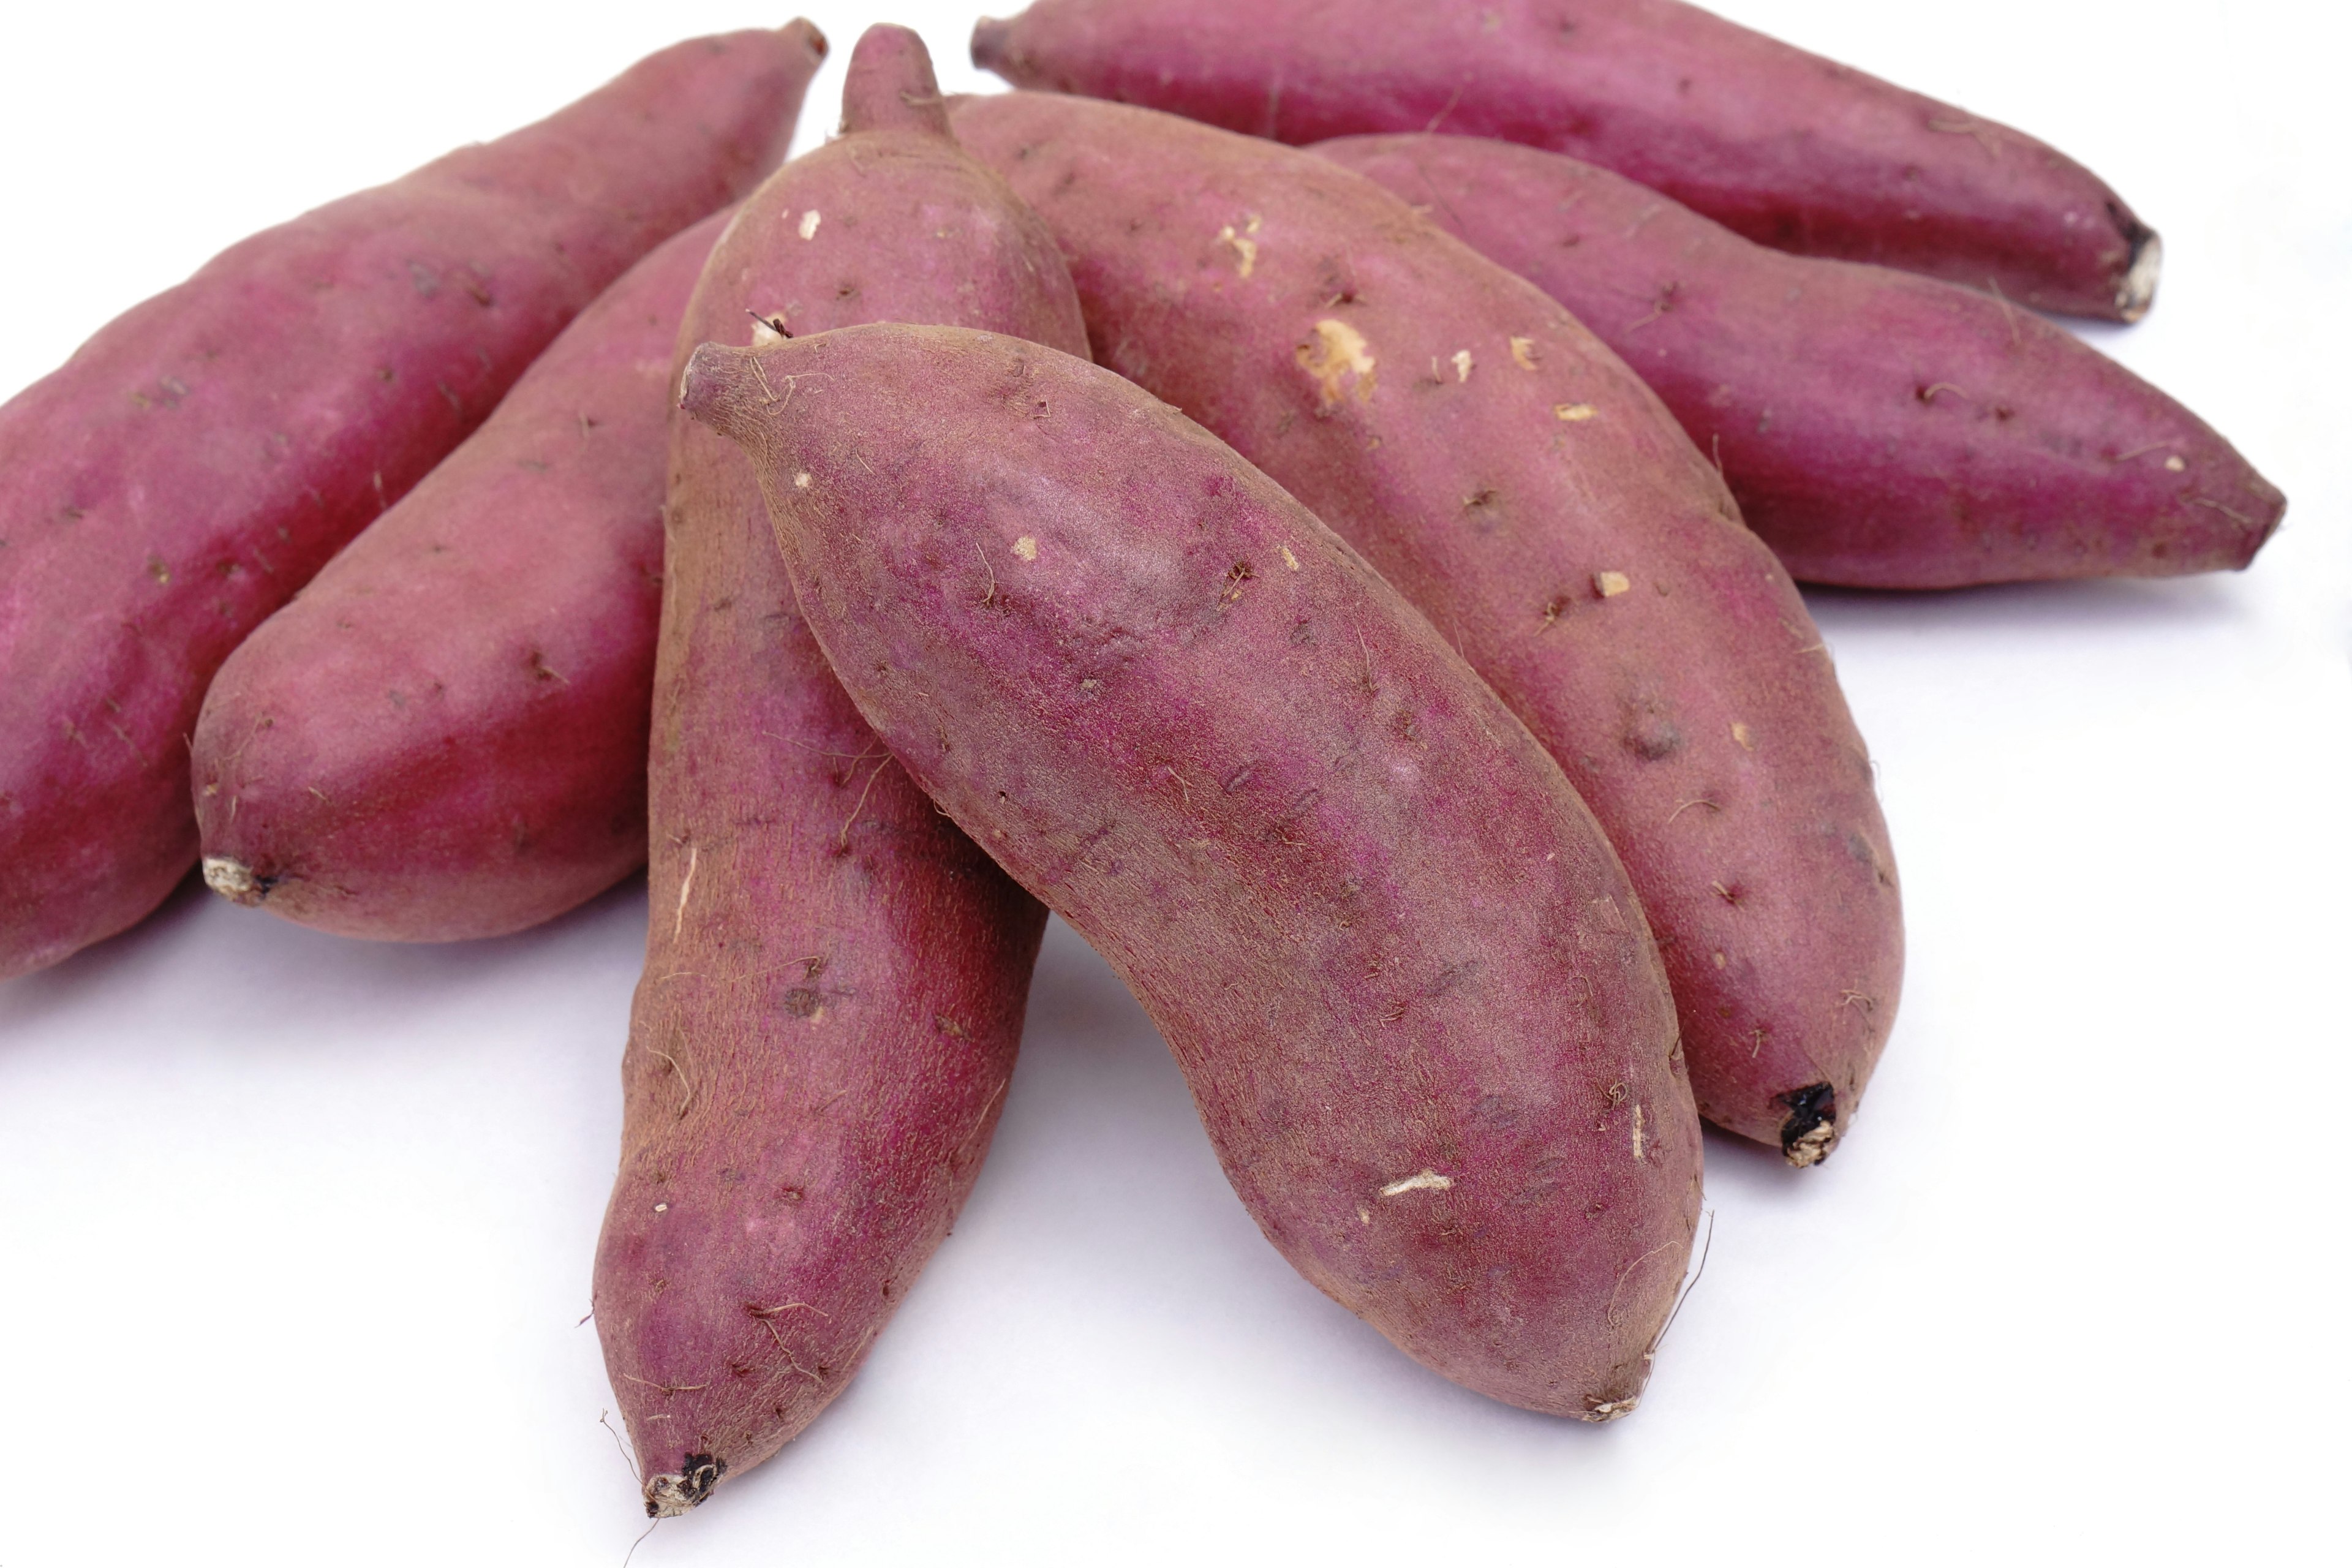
1610,1409
1462,364
1287,558
1720,962
763,330
232,880
1026,547
1523,352
2176,465
1364,1213
809,220
1336,352
661,1208
1609,585
1575,413
686,890
1637,1131
1740,733
1427,1181
802,480
1244,246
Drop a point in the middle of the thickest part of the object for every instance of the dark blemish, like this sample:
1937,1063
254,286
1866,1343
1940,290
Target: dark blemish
800,1001
1653,737
1302,634
845,291
2003,413
1452,975
1811,1131
542,671
385,374
481,295
426,281
1495,1110
1557,605
1483,495
157,570
398,700
696,1476
1731,895
1406,729
456,407
1238,779
1237,574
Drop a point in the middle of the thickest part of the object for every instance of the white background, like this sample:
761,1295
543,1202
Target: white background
295,1232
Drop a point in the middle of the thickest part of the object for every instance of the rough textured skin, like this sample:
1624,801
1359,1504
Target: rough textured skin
1880,429
444,735
195,462
1522,488
835,976
1786,148
1406,978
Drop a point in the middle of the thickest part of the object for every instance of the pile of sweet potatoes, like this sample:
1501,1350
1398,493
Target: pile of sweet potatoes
1353,582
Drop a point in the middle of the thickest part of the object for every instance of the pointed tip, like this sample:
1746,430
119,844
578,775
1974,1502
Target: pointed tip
711,392
892,85
989,39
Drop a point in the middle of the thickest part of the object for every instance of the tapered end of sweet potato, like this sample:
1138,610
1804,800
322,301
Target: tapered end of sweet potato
2137,293
720,388
891,86
667,1496
234,881
989,39
1812,1128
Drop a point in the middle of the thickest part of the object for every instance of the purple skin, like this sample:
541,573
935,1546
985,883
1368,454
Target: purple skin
1791,150
1522,488
835,976
1405,975
1880,430
444,735
195,462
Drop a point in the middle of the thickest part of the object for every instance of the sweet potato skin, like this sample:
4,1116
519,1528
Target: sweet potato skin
1880,429
194,463
1532,498
444,735
1405,975
835,976
1789,148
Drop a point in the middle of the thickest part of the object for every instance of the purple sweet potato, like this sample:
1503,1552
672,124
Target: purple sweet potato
1789,148
194,464
444,735
1405,975
1522,488
834,976
1880,429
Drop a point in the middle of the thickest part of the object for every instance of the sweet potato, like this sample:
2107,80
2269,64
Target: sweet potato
194,464
444,735
1522,488
1880,429
834,976
1407,980
1786,148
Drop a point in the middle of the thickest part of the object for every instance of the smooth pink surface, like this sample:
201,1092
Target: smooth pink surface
444,735
1407,979
1786,147
195,462
1526,493
835,976
1880,429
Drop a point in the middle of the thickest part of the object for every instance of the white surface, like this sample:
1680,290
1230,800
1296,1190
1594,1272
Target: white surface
295,1232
